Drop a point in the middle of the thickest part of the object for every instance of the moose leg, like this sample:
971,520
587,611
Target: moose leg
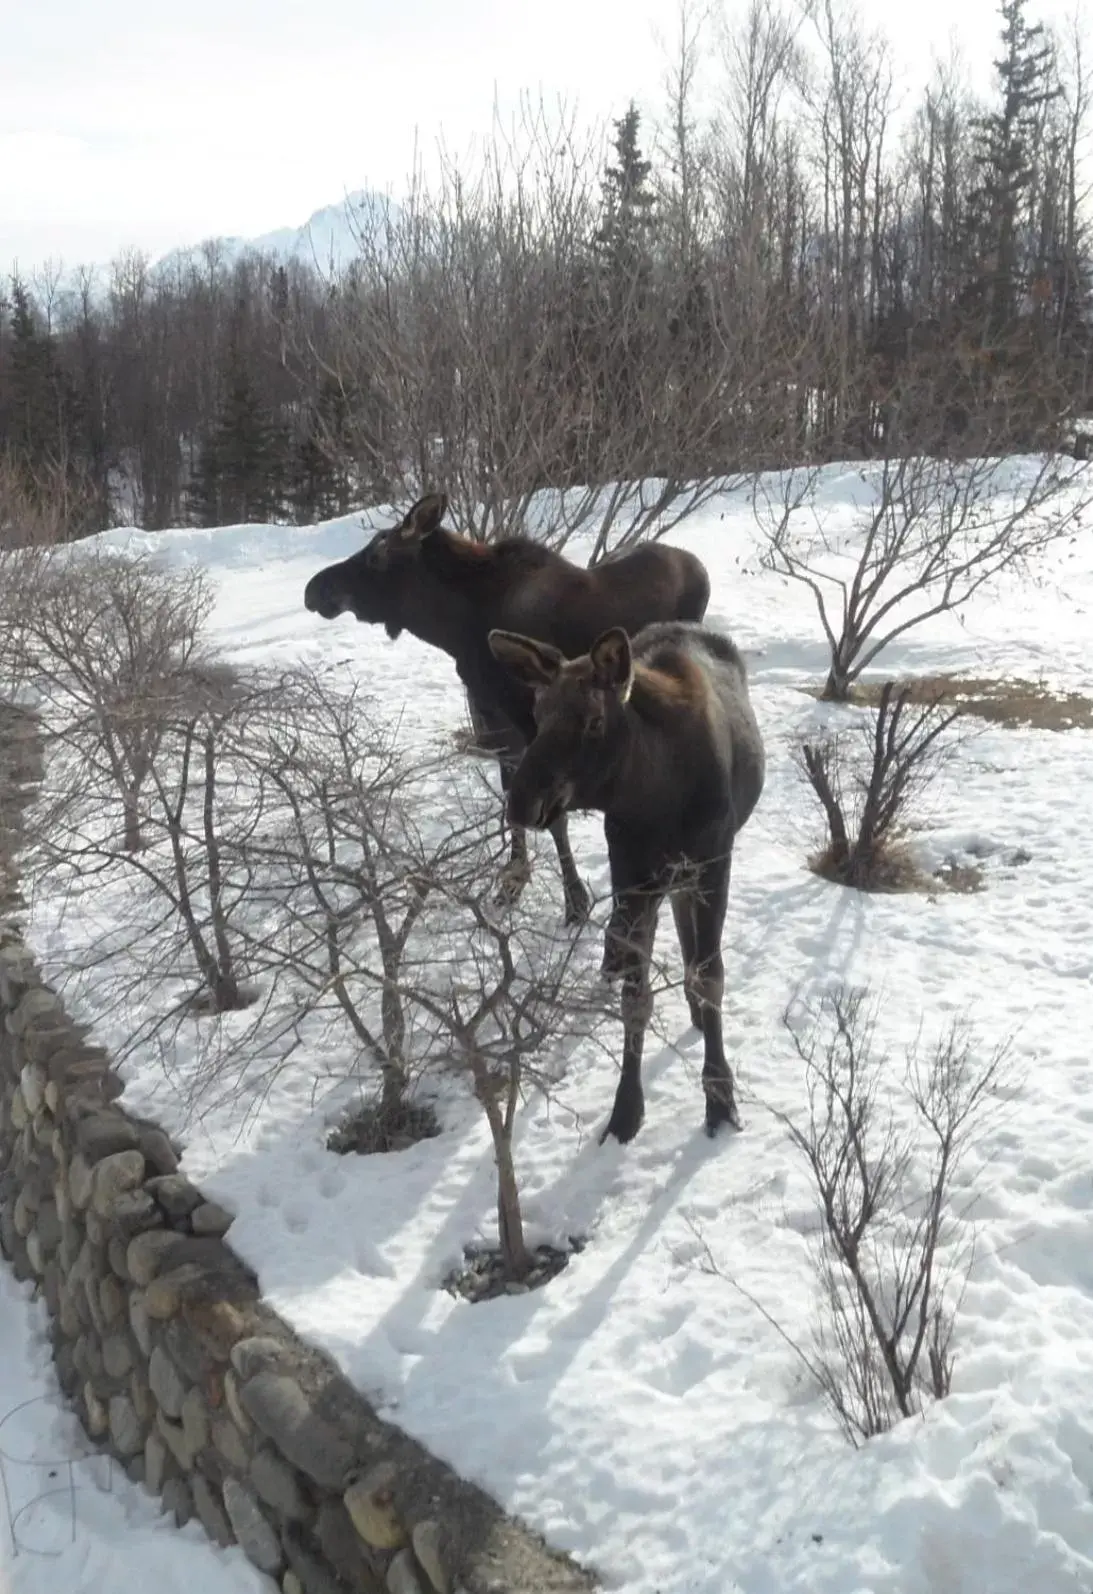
637,1007
683,912
699,912
578,902
517,872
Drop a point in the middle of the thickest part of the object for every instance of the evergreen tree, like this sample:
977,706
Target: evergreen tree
1008,156
239,476
319,488
626,229
34,425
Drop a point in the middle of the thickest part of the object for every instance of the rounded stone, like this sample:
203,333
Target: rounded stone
278,1406
259,1542
79,1181
402,1575
32,1083
174,1436
228,1441
98,1418
425,1539
144,1402
235,1404
211,1513
115,1176
211,1219
155,1462
126,1429
33,1004
371,1506
290,1584
35,1254
178,1500
195,1420
117,1355
47,1226
17,1112
112,1301
255,1355
133,1213
115,1252
166,1381
175,1194
104,1134
23,1215
164,1296
278,1486
138,1322
147,1253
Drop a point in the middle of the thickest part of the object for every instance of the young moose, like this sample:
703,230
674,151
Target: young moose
451,591
659,735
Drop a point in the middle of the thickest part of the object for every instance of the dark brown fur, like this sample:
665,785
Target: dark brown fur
658,735
450,592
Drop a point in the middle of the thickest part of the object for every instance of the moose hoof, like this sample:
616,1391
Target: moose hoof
720,1112
625,1121
578,907
510,887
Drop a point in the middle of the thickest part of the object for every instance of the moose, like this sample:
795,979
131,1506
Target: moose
450,591
657,733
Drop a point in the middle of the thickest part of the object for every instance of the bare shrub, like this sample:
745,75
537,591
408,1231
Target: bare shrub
178,943
350,865
901,755
930,533
39,509
107,641
890,1265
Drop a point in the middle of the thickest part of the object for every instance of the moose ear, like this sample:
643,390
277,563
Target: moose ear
534,663
613,662
424,517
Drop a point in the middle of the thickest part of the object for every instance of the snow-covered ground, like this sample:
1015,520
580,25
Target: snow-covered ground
638,1410
70,1520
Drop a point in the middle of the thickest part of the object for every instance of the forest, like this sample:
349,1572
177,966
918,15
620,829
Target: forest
773,274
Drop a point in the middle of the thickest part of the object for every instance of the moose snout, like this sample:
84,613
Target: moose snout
537,810
317,599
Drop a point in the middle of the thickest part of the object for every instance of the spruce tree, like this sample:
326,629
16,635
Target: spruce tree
626,230
240,471
1009,149
33,386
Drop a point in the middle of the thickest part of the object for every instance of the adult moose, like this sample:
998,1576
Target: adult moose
658,734
450,592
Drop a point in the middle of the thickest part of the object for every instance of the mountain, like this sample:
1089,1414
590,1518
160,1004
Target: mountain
328,239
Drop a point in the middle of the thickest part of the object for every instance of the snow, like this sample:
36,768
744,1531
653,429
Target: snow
640,1411
70,1521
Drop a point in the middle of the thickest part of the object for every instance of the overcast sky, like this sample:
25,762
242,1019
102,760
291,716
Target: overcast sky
130,123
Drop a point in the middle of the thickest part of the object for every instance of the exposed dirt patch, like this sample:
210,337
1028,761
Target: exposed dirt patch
372,1128
896,870
1014,703
485,1276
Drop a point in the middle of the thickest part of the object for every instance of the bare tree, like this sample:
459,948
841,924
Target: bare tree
903,753
927,535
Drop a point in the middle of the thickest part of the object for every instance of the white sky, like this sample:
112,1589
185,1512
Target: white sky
136,123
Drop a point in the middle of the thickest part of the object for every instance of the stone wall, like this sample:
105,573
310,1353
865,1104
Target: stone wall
164,1347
